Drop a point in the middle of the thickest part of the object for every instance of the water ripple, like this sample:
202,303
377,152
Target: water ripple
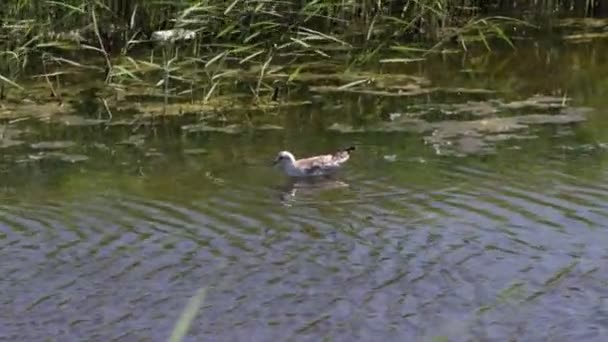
380,257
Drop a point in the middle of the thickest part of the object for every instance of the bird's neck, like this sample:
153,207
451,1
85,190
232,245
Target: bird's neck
289,166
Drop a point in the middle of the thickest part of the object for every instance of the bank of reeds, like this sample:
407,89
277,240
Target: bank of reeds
205,46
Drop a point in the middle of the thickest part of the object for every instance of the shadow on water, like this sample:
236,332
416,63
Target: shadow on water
470,215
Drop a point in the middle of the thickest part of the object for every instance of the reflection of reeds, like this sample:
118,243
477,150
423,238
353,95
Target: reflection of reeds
222,40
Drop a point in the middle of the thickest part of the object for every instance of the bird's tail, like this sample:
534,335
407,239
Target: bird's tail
349,149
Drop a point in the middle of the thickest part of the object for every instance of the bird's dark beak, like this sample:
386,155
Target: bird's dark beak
274,162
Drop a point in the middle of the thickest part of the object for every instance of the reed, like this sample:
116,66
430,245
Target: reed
216,43
187,316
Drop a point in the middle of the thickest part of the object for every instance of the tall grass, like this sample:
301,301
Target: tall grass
248,40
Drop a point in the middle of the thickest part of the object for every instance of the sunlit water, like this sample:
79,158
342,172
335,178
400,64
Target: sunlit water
408,243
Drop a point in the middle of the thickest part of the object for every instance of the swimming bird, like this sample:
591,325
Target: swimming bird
322,165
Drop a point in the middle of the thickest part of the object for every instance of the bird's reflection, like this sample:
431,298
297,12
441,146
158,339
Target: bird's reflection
307,186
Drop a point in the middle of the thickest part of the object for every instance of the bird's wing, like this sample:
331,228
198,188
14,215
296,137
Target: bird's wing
321,163
315,164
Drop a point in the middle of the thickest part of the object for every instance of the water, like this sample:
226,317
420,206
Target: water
470,240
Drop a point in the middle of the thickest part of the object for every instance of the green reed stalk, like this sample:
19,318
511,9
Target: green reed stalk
102,48
187,316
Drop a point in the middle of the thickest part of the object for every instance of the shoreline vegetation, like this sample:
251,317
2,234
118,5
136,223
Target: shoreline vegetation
173,57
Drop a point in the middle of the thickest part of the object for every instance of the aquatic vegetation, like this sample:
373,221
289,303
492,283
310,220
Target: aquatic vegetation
192,51
448,129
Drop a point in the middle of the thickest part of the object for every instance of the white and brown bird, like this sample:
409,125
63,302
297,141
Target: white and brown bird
322,165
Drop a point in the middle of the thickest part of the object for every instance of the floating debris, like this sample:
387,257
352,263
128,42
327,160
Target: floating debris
390,158
126,122
75,120
229,129
394,116
6,143
234,102
585,147
505,137
195,151
473,145
8,131
268,127
344,128
463,137
538,102
202,127
474,108
582,111
153,153
380,85
101,146
27,108
417,160
585,37
402,124
478,136
546,119
399,93
468,91
9,135
597,23
52,145
135,140
70,158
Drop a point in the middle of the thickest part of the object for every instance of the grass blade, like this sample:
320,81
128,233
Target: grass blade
185,319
